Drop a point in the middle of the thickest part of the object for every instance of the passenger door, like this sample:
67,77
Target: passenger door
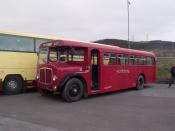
95,69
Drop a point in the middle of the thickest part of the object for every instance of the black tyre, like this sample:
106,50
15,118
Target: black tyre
140,82
12,85
73,90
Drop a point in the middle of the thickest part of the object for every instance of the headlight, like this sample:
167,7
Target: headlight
54,78
37,76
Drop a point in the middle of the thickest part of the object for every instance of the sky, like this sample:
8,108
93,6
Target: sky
90,20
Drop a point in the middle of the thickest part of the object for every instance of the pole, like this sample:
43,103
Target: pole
128,3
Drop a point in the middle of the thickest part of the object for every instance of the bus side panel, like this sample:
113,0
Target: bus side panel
115,78
23,64
132,75
108,78
150,74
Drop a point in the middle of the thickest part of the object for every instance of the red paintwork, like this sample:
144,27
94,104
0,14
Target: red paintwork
109,79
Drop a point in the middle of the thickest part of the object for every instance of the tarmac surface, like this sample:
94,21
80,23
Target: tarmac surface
150,109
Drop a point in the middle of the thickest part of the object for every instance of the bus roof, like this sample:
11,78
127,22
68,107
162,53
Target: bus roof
28,35
100,46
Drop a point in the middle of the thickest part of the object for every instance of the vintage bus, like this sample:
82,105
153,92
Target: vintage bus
79,69
18,60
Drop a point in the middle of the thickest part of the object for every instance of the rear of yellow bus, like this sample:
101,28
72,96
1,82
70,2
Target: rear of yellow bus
18,61
17,70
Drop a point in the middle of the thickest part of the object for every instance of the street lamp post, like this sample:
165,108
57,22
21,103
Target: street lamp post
128,4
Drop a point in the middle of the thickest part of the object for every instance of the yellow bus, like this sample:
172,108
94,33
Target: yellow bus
18,60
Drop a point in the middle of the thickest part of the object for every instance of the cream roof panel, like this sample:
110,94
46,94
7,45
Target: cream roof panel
28,35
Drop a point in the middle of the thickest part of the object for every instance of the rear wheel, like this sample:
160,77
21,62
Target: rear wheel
12,85
73,90
140,82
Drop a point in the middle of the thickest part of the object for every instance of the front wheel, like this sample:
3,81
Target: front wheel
73,90
140,82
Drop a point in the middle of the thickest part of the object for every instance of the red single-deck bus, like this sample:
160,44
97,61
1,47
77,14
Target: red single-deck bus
77,69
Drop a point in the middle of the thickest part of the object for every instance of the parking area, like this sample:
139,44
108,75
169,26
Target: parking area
150,109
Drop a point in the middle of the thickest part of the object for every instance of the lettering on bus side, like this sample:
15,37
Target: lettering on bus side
123,71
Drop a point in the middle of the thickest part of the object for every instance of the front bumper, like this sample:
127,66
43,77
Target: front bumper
50,87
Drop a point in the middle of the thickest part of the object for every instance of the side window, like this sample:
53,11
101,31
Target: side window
110,59
16,43
42,57
142,60
76,54
113,59
126,59
136,60
122,59
62,55
53,55
106,58
149,61
131,60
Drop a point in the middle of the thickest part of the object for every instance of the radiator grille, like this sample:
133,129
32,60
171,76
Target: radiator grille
46,75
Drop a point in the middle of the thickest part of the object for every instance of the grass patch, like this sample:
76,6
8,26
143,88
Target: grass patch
163,67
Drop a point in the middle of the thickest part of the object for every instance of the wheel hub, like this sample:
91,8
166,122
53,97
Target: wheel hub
74,90
12,84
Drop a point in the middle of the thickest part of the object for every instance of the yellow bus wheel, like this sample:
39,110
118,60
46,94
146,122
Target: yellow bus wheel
12,85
